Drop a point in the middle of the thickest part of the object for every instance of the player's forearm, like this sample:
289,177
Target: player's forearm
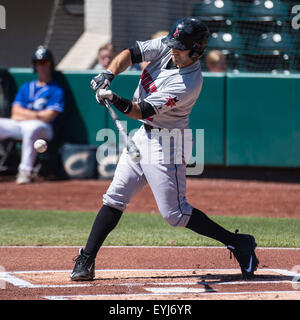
135,112
47,115
128,107
19,113
120,63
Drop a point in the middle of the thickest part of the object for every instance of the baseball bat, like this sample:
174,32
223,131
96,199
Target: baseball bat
132,149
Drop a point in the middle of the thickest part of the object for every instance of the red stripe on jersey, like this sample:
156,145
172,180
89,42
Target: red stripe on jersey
147,82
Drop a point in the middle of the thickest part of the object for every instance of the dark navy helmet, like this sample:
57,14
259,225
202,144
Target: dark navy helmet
188,34
42,53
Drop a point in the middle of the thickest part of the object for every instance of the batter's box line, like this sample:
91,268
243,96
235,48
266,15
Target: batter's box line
21,283
236,270
10,277
174,294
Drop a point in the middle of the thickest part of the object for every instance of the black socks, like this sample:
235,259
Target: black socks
108,217
104,223
200,223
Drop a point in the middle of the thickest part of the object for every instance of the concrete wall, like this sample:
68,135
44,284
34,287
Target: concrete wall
97,16
26,27
25,30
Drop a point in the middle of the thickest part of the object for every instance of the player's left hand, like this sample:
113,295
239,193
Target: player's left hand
102,94
102,80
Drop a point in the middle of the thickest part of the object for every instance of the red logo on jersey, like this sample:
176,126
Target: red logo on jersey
171,102
147,82
175,34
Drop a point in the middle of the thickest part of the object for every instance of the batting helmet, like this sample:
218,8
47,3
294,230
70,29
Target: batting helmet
42,53
188,34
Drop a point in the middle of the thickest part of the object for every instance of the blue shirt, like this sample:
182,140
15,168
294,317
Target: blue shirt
47,97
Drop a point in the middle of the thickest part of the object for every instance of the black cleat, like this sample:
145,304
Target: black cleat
244,252
84,268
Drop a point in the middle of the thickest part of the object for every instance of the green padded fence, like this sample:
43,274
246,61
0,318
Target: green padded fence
262,120
248,119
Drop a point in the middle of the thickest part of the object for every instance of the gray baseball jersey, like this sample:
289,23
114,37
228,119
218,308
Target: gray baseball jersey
171,92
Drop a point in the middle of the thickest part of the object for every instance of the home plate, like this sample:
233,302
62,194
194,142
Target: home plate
178,290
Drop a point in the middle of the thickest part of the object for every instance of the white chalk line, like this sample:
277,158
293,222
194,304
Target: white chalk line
11,278
117,296
16,281
140,247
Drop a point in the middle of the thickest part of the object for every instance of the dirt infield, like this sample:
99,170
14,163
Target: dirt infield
147,273
151,273
213,196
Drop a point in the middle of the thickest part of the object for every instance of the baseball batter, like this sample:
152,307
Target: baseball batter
168,90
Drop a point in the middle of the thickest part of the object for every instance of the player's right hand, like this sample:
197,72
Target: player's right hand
102,94
102,80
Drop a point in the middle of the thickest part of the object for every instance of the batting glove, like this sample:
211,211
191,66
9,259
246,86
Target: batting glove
122,104
102,80
102,94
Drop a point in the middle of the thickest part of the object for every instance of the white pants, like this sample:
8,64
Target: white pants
28,131
166,177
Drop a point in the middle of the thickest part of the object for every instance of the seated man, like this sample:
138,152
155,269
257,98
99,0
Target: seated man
34,112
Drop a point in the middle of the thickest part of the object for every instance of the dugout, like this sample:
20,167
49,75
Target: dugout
249,120
8,90
48,163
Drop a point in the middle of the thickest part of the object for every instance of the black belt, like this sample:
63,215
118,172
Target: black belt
148,127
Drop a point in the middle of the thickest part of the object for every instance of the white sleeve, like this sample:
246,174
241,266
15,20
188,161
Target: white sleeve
152,49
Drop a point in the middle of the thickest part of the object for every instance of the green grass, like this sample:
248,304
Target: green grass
26,227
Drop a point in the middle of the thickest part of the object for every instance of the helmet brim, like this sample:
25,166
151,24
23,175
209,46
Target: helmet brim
174,43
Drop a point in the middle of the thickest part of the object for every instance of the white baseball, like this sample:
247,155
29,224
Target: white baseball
40,145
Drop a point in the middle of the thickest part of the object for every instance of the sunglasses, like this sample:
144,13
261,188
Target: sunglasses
42,63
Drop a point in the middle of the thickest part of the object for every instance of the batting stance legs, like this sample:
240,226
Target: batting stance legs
130,177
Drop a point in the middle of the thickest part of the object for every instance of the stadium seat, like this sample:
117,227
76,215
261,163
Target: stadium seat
254,27
225,8
226,41
295,63
271,42
233,61
217,24
263,63
266,9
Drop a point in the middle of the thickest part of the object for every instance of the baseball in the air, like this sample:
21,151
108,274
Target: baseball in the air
40,145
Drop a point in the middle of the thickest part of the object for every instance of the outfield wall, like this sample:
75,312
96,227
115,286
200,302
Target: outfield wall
248,119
